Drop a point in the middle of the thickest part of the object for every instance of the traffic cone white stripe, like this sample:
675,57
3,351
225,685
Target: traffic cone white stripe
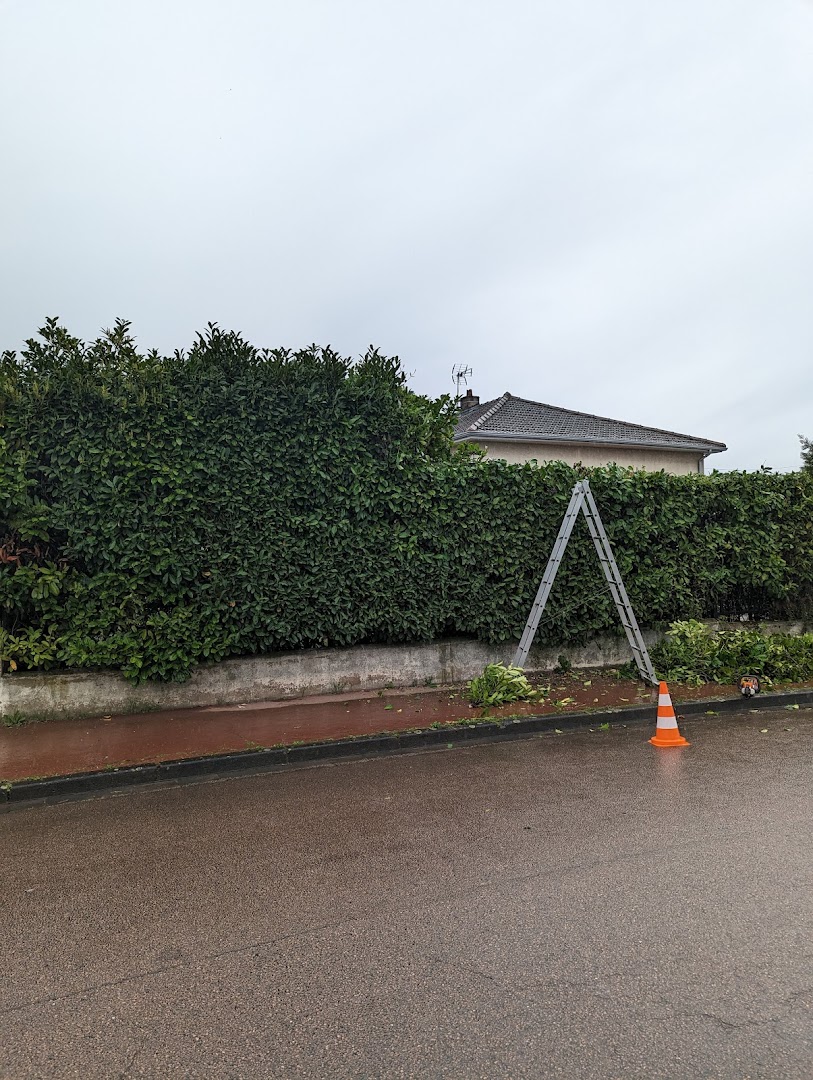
667,721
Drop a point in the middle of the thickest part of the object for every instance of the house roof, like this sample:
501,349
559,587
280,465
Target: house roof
512,418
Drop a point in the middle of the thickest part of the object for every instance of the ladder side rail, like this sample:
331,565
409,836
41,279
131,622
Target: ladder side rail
543,592
617,588
620,595
625,613
548,579
606,566
602,546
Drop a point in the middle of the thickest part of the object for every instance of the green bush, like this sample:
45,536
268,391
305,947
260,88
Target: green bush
692,653
157,512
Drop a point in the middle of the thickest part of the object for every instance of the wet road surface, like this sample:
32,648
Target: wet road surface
580,905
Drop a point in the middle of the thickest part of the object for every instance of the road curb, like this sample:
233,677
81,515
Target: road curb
361,746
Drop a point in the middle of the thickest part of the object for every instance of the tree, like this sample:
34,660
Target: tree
807,453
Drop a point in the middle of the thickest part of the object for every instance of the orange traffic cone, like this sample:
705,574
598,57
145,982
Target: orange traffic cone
666,732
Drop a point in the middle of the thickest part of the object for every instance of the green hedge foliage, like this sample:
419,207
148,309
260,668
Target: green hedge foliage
158,512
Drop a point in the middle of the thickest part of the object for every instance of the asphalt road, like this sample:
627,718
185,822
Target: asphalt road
575,906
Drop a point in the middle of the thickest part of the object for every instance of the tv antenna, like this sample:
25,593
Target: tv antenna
460,374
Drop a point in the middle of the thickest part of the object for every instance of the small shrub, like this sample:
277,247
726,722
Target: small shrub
14,719
693,654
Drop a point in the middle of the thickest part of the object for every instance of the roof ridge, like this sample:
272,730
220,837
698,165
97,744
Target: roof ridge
498,404
613,420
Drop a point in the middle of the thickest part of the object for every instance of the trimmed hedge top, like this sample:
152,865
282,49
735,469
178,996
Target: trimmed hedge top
162,511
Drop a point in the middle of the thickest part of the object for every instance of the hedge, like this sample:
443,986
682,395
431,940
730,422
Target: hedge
161,511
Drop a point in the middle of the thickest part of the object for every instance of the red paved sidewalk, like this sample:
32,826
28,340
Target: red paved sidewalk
64,747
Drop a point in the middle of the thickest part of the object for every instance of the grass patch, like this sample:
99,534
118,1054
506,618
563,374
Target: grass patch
17,719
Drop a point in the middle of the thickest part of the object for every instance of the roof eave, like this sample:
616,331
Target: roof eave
562,440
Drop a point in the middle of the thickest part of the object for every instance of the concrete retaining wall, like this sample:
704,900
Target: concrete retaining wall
280,676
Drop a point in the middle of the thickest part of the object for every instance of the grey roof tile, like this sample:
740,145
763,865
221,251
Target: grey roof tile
511,418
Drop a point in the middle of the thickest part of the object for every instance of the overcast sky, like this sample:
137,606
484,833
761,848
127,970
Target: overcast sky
603,206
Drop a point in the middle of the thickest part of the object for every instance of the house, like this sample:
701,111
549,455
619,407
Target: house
518,430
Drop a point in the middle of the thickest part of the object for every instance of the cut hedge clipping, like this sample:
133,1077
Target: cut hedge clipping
500,684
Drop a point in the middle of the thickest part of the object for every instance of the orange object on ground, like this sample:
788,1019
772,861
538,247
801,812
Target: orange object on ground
666,732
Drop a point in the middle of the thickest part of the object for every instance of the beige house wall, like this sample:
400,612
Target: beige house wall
675,462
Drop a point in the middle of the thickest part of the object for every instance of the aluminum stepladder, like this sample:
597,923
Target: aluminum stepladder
581,500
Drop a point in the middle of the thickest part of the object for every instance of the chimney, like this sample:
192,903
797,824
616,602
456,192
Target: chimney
468,400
